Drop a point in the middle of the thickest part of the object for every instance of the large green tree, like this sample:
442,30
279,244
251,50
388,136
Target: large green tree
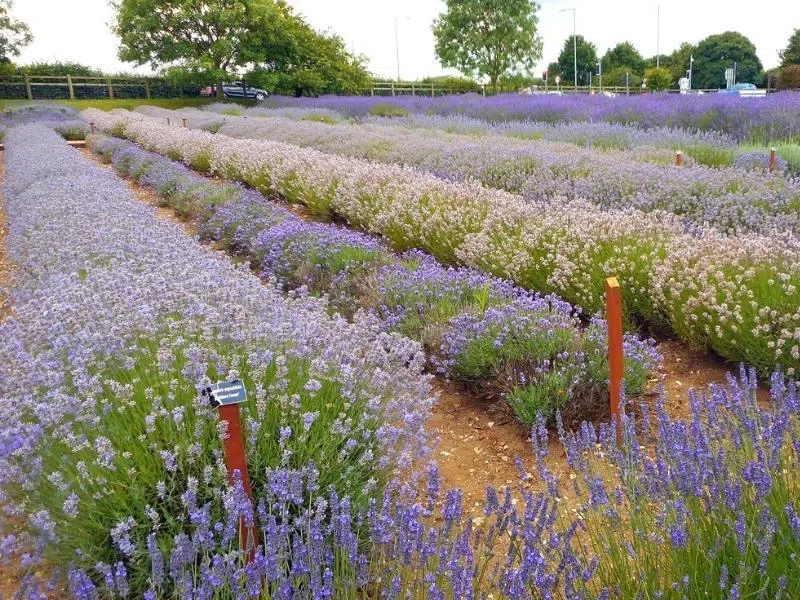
791,54
489,38
719,52
623,57
678,61
587,60
14,34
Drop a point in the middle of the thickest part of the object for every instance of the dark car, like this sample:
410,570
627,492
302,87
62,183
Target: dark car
237,89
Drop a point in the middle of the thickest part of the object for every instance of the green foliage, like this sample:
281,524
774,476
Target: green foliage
489,37
791,54
58,68
587,60
320,65
453,82
14,34
620,77
658,78
678,61
623,57
789,78
717,53
386,109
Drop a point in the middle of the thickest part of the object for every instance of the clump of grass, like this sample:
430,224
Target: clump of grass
385,109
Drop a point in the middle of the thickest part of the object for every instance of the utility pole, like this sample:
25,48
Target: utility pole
658,36
574,43
397,48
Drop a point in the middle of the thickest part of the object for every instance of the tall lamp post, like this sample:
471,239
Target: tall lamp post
397,43
574,42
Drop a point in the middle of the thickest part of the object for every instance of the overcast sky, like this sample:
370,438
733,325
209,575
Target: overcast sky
77,30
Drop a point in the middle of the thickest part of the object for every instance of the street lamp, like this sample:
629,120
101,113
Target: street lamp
574,42
397,43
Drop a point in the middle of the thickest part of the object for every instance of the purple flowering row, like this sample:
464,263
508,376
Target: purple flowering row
771,119
119,319
731,200
516,345
733,294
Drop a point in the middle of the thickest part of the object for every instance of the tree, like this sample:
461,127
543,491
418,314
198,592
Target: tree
489,37
14,34
789,78
719,52
678,61
587,60
658,78
624,57
214,36
621,77
791,54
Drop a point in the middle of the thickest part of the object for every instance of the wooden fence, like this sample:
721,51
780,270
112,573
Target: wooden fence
72,87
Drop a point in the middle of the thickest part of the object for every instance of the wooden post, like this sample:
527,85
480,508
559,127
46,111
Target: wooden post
71,89
433,90
236,460
773,159
183,122
28,87
679,159
147,89
110,89
167,120
616,360
413,93
92,127
392,88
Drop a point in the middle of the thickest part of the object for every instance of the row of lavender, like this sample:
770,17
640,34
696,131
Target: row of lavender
65,121
729,199
767,120
707,147
736,295
116,455
484,332
109,454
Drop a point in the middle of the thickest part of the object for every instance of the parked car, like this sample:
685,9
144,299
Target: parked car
747,90
236,89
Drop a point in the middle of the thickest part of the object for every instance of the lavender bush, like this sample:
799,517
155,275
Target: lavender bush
413,294
733,294
119,320
729,199
771,119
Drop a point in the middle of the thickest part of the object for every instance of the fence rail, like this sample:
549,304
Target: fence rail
72,87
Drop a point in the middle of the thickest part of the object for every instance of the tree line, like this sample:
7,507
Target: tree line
211,41
498,39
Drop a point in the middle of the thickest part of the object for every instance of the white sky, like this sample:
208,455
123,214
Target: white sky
77,30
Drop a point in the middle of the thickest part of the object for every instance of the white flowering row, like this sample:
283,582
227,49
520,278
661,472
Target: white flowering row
735,294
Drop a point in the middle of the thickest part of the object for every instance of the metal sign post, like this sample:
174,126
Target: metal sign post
616,359
226,396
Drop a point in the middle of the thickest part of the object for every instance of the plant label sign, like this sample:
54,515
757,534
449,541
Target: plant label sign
224,393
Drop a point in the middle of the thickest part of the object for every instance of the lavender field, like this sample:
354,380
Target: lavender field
344,265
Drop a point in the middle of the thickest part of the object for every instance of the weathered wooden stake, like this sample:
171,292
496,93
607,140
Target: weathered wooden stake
110,89
71,89
168,121
92,126
183,122
236,460
28,90
773,160
679,159
616,360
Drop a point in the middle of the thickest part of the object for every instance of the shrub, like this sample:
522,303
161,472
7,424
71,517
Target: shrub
789,78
